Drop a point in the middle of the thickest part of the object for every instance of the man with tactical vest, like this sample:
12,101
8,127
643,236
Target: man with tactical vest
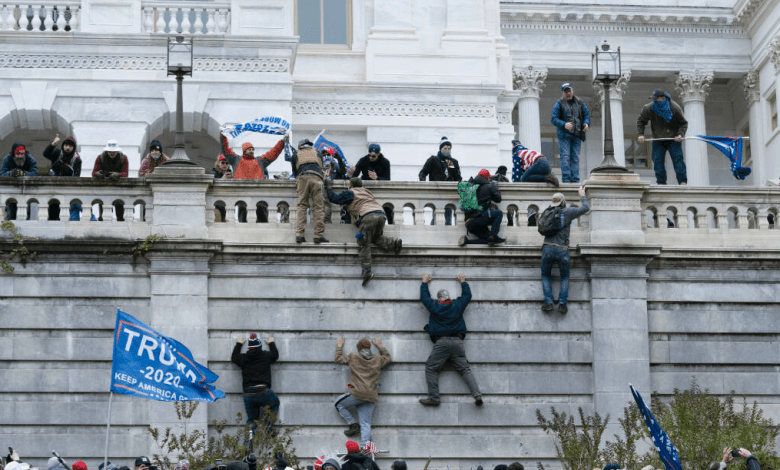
307,168
370,218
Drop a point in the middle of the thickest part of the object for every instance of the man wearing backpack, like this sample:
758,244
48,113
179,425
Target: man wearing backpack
476,197
556,247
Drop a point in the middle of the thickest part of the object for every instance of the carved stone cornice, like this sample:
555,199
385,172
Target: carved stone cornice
773,50
693,86
529,81
340,108
102,62
746,9
751,87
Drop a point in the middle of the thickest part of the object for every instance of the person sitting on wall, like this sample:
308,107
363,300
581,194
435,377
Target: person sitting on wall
18,162
153,159
531,166
65,162
484,222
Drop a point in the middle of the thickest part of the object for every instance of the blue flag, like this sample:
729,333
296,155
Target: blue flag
149,365
322,143
731,148
666,450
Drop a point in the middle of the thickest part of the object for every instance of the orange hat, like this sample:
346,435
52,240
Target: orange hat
246,145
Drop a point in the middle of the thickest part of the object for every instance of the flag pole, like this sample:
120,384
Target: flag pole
685,138
108,427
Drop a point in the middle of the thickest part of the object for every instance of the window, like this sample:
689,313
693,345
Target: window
772,100
747,156
636,153
550,149
323,21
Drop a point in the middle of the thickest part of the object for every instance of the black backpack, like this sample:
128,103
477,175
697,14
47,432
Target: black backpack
550,221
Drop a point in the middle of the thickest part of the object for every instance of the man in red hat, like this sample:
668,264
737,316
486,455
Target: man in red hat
484,222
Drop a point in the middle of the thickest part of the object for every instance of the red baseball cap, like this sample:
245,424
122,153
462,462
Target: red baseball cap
484,172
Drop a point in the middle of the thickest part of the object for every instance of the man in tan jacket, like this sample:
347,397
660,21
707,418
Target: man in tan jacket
364,368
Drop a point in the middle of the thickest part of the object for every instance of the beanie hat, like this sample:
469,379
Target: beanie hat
374,148
332,463
557,200
20,149
362,344
485,173
143,460
155,145
246,145
515,466
69,140
444,141
501,170
516,143
356,182
442,295
352,446
500,467
254,342
80,465
53,462
399,464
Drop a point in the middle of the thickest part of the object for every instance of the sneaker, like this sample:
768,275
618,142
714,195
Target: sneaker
367,276
429,402
300,239
354,430
321,240
494,240
398,246
478,401
552,179
463,241
546,308
562,309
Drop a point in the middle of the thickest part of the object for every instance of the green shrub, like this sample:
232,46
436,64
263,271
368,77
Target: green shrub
576,449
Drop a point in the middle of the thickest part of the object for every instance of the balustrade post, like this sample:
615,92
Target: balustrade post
251,214
161,23
148,20
210,23
129,213
198,25
64,212
48,20
701,220
180,200
36,20
74,18
185,24
419,216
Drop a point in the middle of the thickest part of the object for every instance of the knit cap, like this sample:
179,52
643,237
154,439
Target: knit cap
80,465
254,341
246,145
362,344
444,141
352,446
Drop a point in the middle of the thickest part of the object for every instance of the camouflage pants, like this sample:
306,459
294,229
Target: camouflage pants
372,226
310,195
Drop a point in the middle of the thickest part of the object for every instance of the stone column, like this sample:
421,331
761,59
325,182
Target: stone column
616,92
752,89
530,83
505,109
693,88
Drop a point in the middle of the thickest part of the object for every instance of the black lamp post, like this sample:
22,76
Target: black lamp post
606,70
179,64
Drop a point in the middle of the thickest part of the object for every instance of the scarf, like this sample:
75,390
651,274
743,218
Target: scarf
248,169
366,354
663,108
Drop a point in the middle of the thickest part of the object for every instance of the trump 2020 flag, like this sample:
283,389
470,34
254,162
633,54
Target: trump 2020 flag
265,125
731,148
149,365
666,450
322,143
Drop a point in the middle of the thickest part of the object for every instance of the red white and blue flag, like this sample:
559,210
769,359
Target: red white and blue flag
731,148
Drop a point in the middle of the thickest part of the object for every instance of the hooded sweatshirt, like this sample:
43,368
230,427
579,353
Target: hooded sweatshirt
64,163
364,373
30,166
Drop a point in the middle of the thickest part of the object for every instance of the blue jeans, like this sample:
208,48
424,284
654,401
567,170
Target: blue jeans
538,172
254,405
447,217
550,255
346,403
485,225
659,156
569,149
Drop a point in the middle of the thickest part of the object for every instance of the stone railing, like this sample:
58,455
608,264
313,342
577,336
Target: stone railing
186,18
713,217
42,16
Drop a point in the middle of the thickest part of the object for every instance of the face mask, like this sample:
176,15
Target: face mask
446,152
366,354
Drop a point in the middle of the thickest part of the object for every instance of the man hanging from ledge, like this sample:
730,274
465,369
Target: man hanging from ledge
255,367
370,219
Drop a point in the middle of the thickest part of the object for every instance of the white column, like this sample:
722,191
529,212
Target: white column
529,82
752,89
616,92
693,88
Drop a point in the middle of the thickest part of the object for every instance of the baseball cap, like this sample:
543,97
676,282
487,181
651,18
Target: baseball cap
143,460
557,199
565,86
657,94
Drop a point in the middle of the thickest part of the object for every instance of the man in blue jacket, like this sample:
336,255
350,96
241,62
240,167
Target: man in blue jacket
572,118
447,330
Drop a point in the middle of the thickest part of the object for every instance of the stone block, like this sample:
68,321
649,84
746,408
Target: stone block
747,382
629,345
619,314
724,352
68,313
619,288
178,284
614,376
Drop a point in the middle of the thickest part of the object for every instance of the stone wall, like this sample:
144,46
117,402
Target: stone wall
651,306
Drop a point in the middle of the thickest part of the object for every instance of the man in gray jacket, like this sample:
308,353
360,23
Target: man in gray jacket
669,124
556,250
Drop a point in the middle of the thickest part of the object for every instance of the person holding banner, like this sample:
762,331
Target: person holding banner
247,166
255,367
669,127
307,167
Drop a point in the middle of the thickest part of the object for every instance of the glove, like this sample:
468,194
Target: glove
114,176
99,176
17,172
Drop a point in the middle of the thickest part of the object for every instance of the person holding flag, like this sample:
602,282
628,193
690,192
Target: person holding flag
668,127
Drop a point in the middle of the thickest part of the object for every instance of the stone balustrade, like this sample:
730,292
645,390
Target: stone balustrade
191,18
725,217
42,16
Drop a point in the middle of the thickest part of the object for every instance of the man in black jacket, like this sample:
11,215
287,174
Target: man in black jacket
373,166
65,162
485,222
442,167
255,367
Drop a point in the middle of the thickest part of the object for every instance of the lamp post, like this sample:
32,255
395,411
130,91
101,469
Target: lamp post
179,64
606,70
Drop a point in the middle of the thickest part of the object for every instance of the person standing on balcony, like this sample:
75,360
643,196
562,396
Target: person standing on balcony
364,370
484,222
370,219
308,170
153,159
442,167
530,166
65,162
447,330
18,162
255,367
375,167
668,123
556,250
333,169
111,164
572,118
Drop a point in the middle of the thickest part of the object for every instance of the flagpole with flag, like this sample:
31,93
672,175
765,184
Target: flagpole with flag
666,450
